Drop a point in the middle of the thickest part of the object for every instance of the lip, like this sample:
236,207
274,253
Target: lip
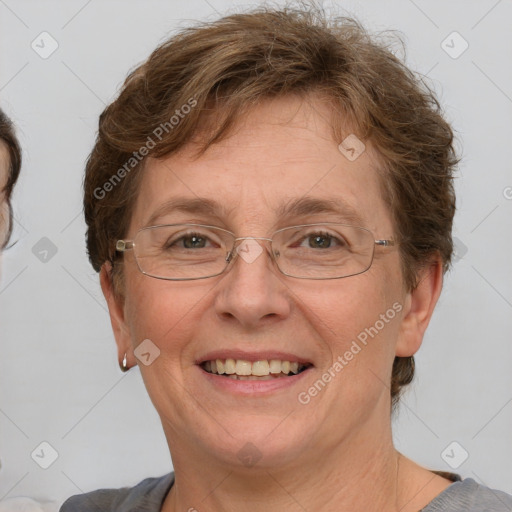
253,387
252,356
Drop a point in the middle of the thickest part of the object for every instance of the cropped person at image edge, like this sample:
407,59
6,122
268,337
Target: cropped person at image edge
306,193
10,165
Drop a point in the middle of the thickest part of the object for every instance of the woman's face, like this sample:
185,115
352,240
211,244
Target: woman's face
282,151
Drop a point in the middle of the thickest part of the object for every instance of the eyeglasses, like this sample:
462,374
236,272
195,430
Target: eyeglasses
180,252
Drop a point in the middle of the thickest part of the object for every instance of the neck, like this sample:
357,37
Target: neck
360,473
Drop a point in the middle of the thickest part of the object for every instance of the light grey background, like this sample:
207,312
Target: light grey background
59,378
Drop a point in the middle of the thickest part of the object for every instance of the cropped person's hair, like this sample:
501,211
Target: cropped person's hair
9,141
205,79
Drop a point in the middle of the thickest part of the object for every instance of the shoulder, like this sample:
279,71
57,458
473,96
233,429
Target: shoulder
146,496
470,496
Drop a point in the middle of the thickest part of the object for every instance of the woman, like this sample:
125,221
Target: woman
269,205
10,164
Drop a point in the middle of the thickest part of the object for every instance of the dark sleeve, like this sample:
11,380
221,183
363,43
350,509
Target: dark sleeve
469,496
147,496
102,500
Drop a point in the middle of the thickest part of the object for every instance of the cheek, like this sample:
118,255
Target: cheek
164,312
360,320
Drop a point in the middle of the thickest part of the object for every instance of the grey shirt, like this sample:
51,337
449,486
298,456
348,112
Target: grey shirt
148,496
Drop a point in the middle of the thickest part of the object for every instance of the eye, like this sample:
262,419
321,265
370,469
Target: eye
188,241
322,240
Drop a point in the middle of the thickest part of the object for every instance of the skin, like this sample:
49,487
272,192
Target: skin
335,453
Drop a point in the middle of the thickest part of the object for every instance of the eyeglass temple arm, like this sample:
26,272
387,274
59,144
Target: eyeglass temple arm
124,245
384,243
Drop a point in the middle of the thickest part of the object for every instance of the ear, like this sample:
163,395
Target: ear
117,318
418,308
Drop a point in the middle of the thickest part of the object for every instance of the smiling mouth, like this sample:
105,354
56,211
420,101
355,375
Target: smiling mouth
241,369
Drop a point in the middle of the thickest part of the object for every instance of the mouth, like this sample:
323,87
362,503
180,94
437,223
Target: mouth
265,369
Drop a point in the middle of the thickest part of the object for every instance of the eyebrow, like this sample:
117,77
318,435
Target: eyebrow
295,207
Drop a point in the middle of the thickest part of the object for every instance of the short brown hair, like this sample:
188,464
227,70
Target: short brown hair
8,138
227,67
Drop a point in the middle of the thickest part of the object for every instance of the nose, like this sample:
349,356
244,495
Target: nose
252,291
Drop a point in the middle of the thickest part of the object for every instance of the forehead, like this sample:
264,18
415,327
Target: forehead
280,155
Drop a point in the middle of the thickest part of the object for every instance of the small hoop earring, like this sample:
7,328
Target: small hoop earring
123,365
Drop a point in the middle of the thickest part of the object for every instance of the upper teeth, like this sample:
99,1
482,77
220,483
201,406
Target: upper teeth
257,368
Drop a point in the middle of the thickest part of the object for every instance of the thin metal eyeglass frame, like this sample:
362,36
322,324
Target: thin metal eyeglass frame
126,245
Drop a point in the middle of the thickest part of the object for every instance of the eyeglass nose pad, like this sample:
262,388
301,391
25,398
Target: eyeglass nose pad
233,251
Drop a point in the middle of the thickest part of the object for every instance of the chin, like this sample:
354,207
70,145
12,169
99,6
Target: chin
257,442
